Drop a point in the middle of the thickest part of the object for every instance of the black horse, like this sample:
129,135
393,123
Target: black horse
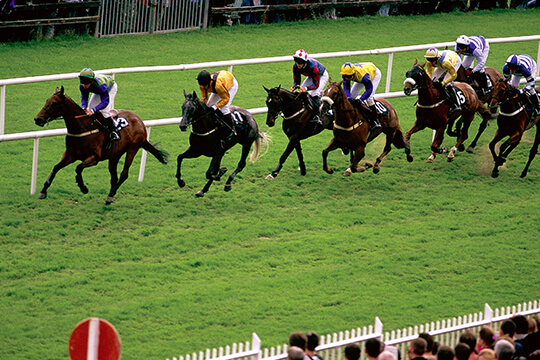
297,124
206,135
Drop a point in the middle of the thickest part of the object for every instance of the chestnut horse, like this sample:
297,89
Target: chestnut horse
432,110
513,120
351,131
494,75
205,139
87,141
297,124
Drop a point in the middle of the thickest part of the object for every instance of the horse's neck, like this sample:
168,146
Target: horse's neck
349,114
511,103
203,122
75,118
428,92
290,104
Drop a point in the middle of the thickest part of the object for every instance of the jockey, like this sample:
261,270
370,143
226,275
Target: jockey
222,86
103,89
363,75
518,66
445,63
474,47
317,78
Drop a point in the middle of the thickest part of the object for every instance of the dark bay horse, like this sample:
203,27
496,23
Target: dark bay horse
513,120
494,75
297,124
351,131
432,110
205,139
86,141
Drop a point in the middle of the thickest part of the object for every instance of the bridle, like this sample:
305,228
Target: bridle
192,120
281,107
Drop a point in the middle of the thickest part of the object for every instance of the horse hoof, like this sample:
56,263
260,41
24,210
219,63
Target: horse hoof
410,158
228,187
199,193
329,171
523,174
429,160
450,159
461,147
42,196
84,189
181,183
269,177
494,174
109,200
376,170
361,169
470,150
347,172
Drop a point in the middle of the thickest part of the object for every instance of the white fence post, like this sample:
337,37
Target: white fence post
34,166
2,108
143,157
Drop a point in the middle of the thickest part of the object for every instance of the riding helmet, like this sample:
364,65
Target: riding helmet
463,40
347,69
513,60
204,78
86,76
432,53
300,56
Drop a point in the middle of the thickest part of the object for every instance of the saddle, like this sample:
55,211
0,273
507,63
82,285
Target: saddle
382,110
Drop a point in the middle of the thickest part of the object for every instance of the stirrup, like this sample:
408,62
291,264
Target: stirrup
316,119
114,136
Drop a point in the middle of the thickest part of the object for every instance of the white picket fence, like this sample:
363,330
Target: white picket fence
36,135
331,346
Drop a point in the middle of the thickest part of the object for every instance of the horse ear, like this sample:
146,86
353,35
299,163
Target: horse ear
194,95
423,65
279,87
266,89
185,95
415,62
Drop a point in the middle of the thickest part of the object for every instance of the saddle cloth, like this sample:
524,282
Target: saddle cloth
119,122
381,109
238,120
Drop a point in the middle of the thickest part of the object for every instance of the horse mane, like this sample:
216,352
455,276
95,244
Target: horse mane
61,94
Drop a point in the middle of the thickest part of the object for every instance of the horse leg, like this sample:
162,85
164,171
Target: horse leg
188,154
407,138
481,129
331,147
90,161
463,135
290,146
359,154
115,184
386,150
492,143
65,161
300,155
435,145
241,165
532,153
214,172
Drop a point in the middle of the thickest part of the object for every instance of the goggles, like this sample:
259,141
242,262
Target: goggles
85,80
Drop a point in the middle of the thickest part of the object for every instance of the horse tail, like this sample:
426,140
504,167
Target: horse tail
399,139
262,138
161,155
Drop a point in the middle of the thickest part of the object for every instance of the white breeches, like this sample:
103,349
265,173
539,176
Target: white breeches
95,99
214,98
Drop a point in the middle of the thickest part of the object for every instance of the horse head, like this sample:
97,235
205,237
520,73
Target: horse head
332,94
501,93
273,103
191,106
53,108
414,78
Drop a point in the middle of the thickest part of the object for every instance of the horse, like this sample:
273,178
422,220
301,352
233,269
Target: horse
205,139
432,110
494,75
512,122
351,131
297,124
88,141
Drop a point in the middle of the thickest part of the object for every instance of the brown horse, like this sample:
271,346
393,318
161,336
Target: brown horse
351,131
87,141
432,110
513,119
494,75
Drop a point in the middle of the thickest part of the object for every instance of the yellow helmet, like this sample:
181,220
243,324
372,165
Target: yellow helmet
347,69
432,53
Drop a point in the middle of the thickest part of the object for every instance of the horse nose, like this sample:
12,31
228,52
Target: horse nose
182,127
40,121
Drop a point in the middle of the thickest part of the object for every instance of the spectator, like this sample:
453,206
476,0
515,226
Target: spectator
352,352
445,352
312,343
299,339
530,343
507,330
387,355
504,350
468,337
533,327
486,339
429,349
372,348
462,351
486,354
416,349
295,353
535,355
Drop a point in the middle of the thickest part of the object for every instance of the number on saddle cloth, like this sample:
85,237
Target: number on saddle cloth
120,123
460,95
381,109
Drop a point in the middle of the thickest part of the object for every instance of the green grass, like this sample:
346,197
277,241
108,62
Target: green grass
176,274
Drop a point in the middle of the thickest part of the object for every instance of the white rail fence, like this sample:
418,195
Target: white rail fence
445,332
36,135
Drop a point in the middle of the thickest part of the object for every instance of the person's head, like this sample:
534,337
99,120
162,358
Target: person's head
373,347
300,58
486,337
504,350
486,354
432,55
204,78
312,340
462,351
513,63
522,324
386,355
429,341
352,352
347,70
445,353
535,355
295,353
462,43
417,347
533,326
299,339
87,77
508,327
468,337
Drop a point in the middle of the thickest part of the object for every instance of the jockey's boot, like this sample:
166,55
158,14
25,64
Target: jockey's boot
108,124
451,96
481,79
315,105
373,118
227,142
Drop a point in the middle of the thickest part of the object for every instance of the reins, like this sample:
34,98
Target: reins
283,109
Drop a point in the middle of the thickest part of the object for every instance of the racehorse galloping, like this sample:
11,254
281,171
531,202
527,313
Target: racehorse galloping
432,110
205,139
351,131
296,122
494,75
512,122
87,141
